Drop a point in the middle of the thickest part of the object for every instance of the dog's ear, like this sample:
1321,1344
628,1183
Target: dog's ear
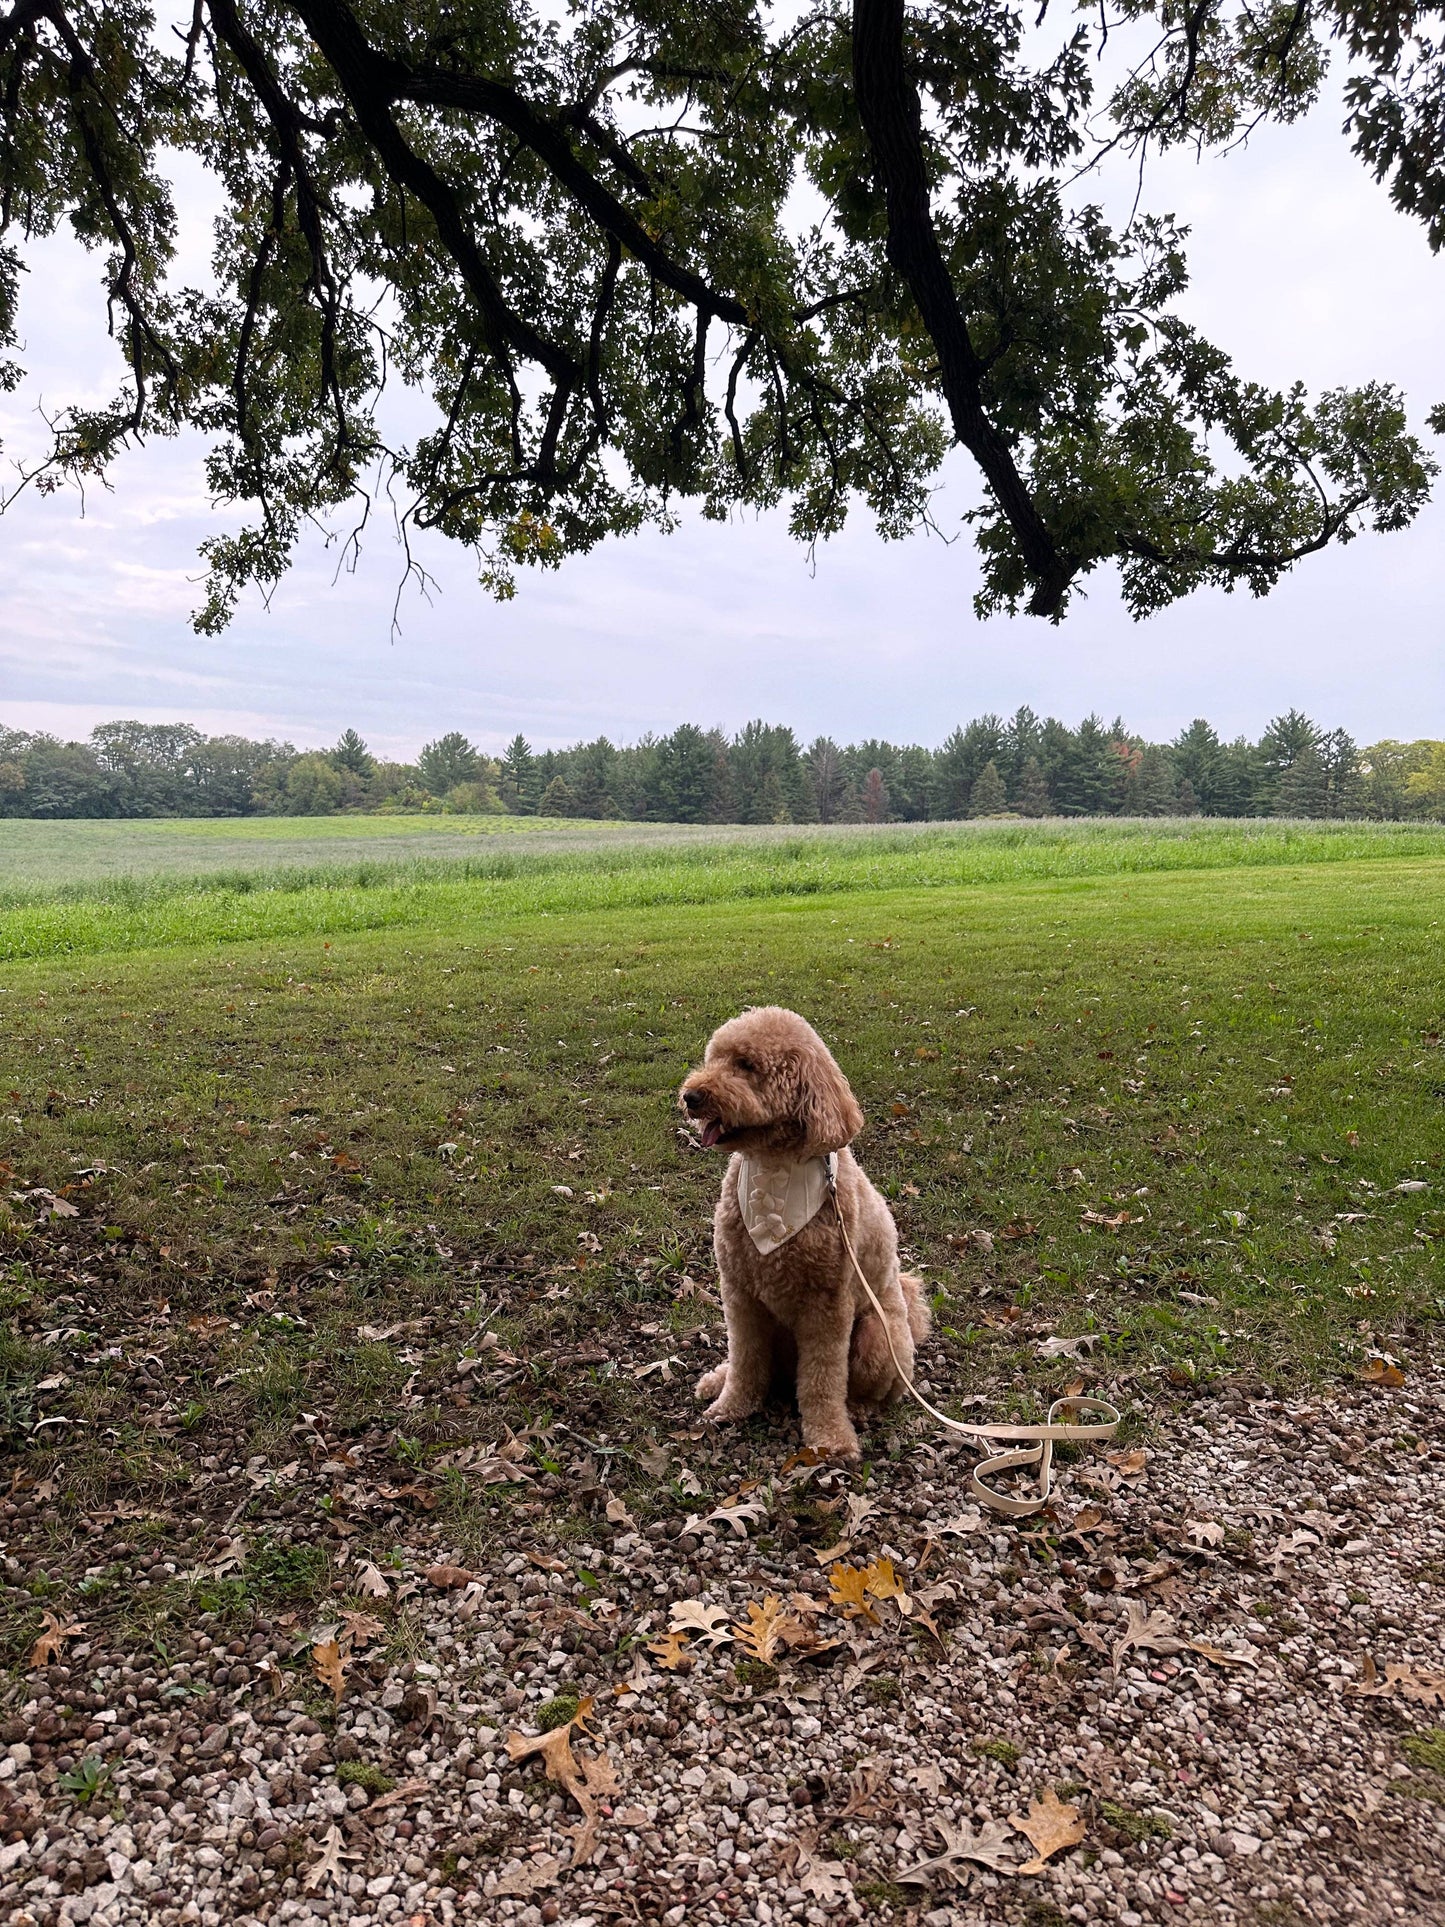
831,1115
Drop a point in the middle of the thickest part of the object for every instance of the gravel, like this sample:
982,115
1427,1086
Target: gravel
1299,1537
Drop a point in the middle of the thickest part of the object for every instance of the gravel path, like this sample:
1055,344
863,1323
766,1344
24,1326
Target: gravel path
1232,1770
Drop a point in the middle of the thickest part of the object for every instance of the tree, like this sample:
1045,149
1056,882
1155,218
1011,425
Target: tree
1339,756
1187,802
826,775
577,232
450,760
1033,797
1158,793
875,797
1197,753
558,799
1304,788
682,777
521,787
312,786
351,754
989,797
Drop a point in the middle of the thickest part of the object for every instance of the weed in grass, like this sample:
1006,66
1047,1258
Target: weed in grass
756,1673
84,1781
881,1689
281,1574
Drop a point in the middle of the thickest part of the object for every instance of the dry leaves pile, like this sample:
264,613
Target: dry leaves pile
1404,1682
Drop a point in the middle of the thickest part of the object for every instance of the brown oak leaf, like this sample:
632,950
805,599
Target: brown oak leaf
55,1629
1050,1825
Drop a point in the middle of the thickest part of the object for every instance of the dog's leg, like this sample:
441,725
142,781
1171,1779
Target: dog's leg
739,1388
823,1383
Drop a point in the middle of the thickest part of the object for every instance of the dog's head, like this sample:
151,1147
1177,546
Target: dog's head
768,1082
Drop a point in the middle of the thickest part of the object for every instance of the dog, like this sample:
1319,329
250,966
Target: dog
769,1091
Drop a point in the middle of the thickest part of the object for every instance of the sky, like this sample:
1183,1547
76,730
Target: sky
1301,269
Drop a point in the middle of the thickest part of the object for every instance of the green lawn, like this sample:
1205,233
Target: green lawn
302,1143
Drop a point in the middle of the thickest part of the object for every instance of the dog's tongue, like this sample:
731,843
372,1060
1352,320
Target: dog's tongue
711,1132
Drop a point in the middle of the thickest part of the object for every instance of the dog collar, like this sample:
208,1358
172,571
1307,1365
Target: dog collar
778,1198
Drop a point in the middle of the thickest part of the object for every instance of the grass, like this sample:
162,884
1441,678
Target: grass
414,1185
74,911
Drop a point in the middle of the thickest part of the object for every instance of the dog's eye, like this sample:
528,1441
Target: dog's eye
745,1065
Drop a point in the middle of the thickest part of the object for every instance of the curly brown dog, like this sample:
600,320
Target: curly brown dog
769,1091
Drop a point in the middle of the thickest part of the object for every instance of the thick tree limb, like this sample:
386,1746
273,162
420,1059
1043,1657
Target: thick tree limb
889,108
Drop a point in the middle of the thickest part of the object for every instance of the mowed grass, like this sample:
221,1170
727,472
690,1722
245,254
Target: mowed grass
1197,1112
577,868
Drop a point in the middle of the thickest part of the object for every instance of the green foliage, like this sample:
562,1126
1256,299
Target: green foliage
1426,1749
1005,1752
1134,1825
85,1781
365,1774
598,272
557,1711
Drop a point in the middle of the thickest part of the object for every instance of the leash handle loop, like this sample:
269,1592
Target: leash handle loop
1041,1439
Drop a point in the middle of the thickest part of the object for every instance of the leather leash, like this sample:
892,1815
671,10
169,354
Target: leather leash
1041,1439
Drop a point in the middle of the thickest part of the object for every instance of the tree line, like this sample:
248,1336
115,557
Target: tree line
1022,766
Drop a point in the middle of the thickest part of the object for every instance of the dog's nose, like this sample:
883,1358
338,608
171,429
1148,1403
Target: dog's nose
694,1100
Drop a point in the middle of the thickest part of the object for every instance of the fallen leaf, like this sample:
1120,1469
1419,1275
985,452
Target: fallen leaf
444,1577
328,1867
1204,1532
832,1553
55,1629
849,1593
619,1515
399,1796
883,1583
708,1624
1110,1223
655,1461
328,1663
529,1879
670,1650
372,1581
1050,1825
768,1628
1407,1681
1220,1655
990,1847
859,1509
1153,1632
1078,1347
586,1779
1382,1371
1129,1465
807,1455
864,1784
362,1627
926,1777
736,1515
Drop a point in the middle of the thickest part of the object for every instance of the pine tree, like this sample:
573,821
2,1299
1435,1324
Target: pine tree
825,774
722,801
1156,794
450,760
521,779
559,798
352,754
850,808
1187,803
1303,788
1033,791
989,797
875,797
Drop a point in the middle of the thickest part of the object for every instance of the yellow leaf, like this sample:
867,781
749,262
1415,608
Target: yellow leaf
1050,1825
1380,1371
670,1650
849,1593
883,1582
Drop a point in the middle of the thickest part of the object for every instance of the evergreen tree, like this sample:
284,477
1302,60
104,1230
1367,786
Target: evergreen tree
989,797
875,797
521,777
1187,801
450,760
681,779
722,802
1339,755
1197,752
559,799
1156,792
1023,737
593,780
912,785
850,809
825,774
1237,783
352,755
1081,784
1032,798
1303,789
950,776
1125,791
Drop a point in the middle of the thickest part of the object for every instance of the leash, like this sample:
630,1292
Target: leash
1041,1439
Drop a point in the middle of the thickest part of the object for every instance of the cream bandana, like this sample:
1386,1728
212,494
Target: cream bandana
778,1199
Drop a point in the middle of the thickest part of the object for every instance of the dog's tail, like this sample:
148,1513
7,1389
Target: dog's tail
916,1306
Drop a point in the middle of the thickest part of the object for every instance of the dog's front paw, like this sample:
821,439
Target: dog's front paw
724,1410
711,1383
836,1439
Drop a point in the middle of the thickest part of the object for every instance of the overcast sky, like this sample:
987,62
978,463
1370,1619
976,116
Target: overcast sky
1300,268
